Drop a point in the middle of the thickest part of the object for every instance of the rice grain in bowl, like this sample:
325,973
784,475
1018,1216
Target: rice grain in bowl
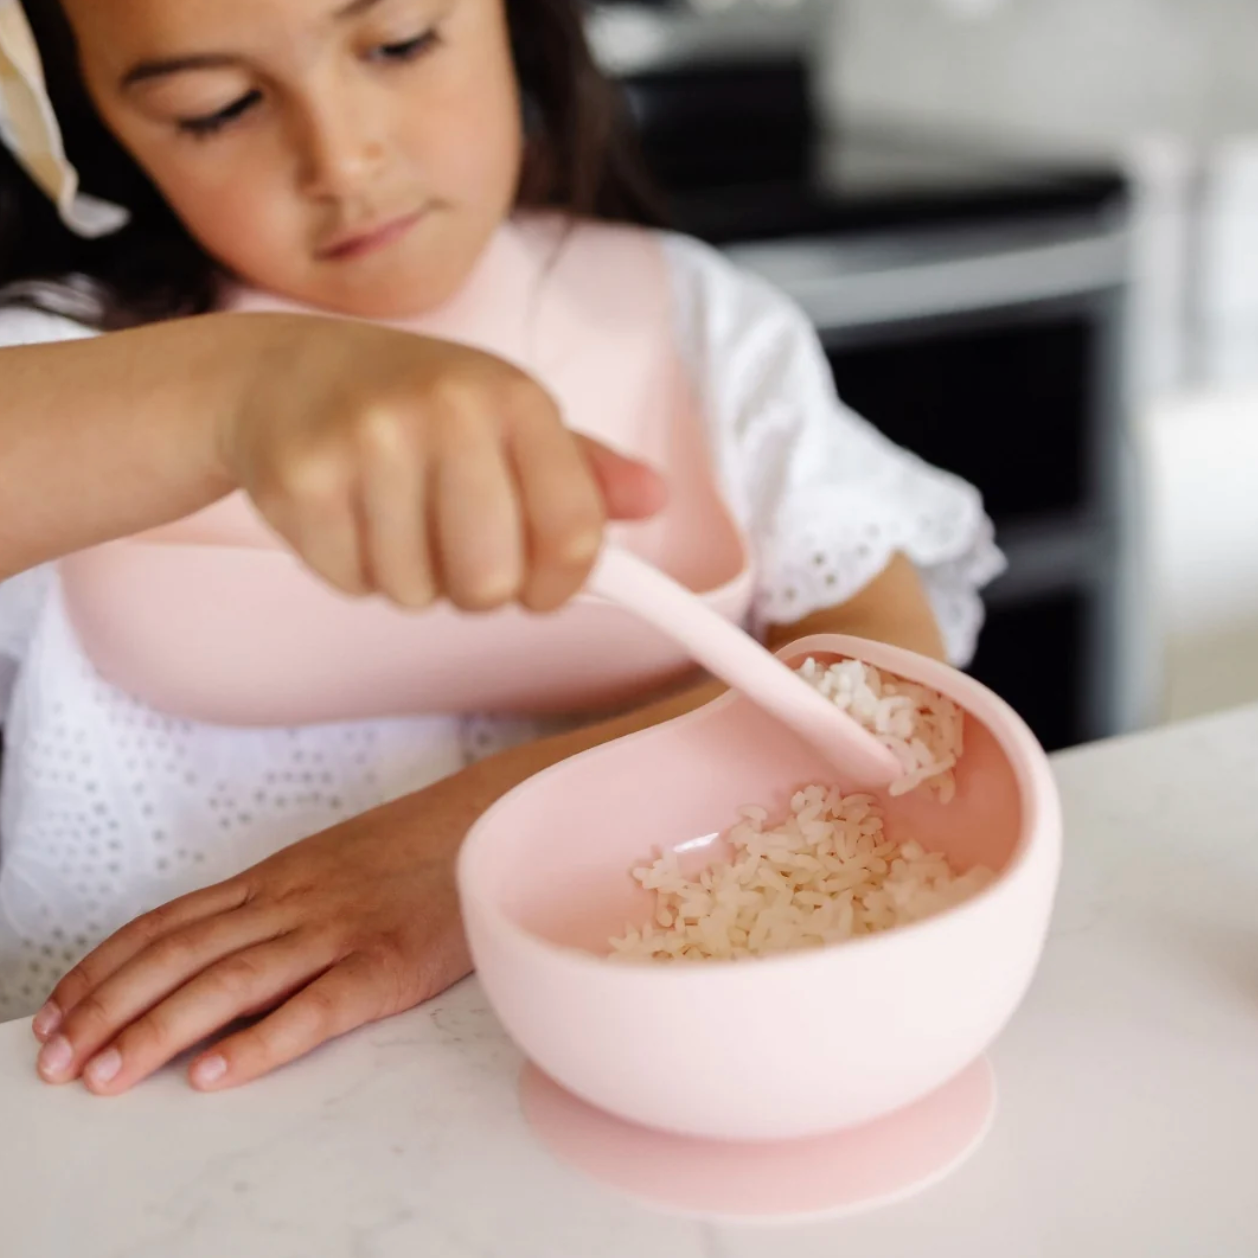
788,1045
829,871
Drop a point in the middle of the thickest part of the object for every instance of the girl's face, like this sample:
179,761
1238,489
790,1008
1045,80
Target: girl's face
356,155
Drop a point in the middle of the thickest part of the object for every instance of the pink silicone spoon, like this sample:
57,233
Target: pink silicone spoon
741,662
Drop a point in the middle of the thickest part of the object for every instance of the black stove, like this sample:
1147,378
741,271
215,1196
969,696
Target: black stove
972,304
740,155
867,183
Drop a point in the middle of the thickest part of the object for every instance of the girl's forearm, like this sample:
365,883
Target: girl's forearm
110,436
487,782
893,608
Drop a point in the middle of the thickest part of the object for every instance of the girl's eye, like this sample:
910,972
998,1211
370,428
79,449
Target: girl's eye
407,50
211,124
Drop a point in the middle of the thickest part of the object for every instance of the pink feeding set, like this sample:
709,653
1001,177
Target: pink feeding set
831,1076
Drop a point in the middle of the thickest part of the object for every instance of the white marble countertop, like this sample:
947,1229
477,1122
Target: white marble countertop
1128,1121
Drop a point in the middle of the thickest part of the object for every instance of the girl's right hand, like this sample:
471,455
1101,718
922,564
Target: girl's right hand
419,469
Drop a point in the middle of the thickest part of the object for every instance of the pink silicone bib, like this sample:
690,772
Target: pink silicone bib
212,619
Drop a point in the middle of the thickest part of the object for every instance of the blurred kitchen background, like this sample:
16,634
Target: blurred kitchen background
1027,231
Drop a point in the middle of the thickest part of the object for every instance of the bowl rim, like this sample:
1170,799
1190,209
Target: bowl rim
1041,823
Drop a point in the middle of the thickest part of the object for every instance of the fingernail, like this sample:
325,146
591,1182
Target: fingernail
47,1020
208,1071
55,1058
104,1069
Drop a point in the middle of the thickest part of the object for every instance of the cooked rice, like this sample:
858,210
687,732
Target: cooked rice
829,872
923,728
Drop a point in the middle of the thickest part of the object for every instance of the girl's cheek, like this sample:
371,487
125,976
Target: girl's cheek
481,165
245,212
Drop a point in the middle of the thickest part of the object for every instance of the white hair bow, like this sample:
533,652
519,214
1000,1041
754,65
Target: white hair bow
29,130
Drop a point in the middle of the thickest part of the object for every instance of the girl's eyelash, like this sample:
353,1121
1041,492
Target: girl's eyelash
406,50
213,123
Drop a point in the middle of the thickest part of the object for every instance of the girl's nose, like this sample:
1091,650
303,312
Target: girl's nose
343,149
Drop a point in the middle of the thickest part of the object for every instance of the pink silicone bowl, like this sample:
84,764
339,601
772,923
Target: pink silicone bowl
786,1046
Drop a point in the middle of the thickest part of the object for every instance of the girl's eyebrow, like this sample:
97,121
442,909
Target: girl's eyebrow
146,71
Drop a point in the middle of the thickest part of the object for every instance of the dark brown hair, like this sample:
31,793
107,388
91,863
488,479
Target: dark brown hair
580,158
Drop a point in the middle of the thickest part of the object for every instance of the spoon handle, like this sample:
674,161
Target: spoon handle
741,662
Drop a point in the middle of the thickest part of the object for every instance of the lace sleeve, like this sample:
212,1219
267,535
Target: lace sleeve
25,325
826,499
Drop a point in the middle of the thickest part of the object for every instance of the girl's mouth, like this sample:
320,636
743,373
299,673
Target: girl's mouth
372,240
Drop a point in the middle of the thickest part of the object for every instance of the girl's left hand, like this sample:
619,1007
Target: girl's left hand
348,927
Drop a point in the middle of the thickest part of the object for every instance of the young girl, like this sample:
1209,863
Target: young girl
453,169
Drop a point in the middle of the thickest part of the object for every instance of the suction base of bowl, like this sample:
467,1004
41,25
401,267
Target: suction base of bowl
785,1181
